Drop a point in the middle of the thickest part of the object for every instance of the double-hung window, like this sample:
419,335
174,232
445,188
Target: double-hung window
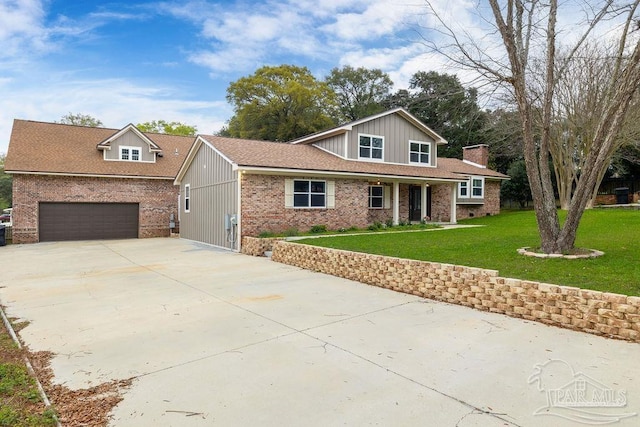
309,194
477,187
463,190
376,196
371,147
130,154
474,188
420,152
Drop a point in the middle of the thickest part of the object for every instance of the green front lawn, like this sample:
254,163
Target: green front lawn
616,232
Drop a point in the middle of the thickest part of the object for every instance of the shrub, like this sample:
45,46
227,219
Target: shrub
291,232
389,222
319,229
265,234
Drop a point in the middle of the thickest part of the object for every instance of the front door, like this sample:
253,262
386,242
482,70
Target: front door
415,202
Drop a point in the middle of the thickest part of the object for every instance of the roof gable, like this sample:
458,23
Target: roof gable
130,128
349,126
57,149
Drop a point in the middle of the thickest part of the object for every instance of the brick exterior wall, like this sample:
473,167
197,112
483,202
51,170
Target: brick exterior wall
491,205
158,199
263,207
612,315
441,202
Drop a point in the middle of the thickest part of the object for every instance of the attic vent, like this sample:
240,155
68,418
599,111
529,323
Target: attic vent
175,153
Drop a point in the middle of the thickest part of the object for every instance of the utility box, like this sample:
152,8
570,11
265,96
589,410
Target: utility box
622,195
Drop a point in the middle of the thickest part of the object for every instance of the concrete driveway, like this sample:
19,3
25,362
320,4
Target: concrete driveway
246,341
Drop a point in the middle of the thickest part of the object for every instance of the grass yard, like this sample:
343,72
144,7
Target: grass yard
614,231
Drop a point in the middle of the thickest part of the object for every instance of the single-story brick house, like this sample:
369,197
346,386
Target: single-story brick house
383,167
79,183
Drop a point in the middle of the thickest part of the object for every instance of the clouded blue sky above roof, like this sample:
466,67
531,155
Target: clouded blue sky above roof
134,61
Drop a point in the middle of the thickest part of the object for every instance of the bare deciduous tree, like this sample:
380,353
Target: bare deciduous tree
529,65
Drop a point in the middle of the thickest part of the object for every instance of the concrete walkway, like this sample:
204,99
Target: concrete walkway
217,338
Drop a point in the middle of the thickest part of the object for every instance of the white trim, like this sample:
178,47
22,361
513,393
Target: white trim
430,144
306,172
481,196
90,175
330,152
130,149
469,162
460,190
371,148
346,145
187,198
396,202
192,154
130,127
349,126
239,214
454,212
423,201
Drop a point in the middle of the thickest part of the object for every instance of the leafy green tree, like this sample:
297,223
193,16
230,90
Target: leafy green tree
279,104
80,120
360,92
169,128
446,106
517,188
6,188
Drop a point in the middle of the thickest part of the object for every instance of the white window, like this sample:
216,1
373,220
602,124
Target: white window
371,147
309,194
419,152
376,197
474,188
477,187
187,198
463,190
130,154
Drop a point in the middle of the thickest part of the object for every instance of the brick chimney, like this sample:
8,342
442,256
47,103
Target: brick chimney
478,154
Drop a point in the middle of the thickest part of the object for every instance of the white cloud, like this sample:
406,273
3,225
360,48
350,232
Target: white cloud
115,102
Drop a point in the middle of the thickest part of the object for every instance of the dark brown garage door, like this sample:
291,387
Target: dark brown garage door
88,221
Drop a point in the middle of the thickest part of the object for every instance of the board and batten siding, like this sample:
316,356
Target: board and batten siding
129,139
334,145
397,133
214,193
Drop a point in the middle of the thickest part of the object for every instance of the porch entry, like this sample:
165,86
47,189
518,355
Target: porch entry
415,202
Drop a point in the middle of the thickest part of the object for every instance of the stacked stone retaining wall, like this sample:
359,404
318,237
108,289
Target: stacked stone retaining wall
600,313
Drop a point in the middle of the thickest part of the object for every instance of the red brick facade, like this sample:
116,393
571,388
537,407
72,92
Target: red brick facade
263,205
491,205
158,199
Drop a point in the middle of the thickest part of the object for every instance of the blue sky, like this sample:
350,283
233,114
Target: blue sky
135,61
127,61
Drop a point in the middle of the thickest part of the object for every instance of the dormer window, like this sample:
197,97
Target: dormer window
371,147
130,154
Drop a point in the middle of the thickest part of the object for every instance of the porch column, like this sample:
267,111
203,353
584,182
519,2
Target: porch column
454,195
396,202
423,201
